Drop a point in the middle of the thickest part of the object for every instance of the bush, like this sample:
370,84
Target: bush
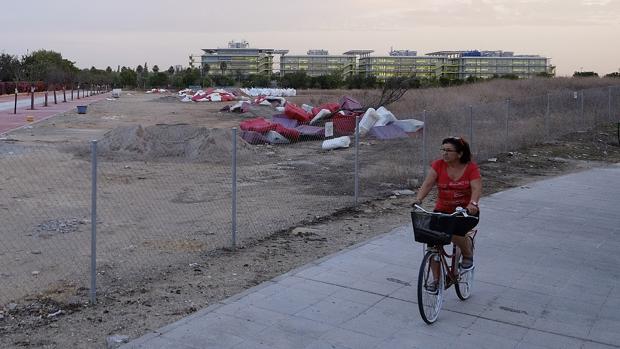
207,81
222,80
256,80
158,79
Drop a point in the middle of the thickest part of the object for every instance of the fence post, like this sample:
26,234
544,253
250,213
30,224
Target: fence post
609,103
45,103
93,224
547,115
32,97
357,147
506,125
424,161
55,100
15,105
234,188
583,121
64,95
471,127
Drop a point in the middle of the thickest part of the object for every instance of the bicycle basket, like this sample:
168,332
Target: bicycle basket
431,229
438,230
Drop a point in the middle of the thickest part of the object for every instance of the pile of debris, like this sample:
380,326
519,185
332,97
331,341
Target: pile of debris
208,95
297,123
180,141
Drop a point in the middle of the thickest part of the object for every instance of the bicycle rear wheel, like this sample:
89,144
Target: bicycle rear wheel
465,283
430,298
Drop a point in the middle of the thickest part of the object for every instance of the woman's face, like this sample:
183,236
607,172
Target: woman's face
449,153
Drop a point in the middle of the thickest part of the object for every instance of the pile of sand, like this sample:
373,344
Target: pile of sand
181,141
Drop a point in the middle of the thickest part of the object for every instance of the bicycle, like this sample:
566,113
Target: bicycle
435,230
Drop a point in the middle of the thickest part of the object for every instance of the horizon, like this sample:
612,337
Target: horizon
575,35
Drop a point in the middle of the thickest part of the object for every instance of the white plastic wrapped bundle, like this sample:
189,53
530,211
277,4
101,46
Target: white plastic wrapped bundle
273,92
335,143
276,138
409,125
385,117
369,119
320,115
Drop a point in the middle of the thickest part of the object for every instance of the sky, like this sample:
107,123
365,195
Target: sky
578,35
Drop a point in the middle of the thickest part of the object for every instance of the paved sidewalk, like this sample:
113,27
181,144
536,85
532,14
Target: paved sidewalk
10,121
547,276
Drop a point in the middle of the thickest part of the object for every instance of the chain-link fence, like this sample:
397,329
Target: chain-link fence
182,196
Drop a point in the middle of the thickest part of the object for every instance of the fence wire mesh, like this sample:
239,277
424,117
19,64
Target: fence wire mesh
169,209
45,219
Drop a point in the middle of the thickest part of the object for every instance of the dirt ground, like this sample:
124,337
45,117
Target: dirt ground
134,304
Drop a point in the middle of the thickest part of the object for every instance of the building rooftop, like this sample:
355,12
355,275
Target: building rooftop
358,52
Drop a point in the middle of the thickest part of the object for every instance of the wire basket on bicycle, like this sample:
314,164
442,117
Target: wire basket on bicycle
437,229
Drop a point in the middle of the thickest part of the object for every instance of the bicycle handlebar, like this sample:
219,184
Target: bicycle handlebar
459,211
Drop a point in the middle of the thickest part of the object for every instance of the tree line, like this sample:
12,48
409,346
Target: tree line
45,70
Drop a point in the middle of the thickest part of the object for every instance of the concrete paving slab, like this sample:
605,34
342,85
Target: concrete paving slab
547,276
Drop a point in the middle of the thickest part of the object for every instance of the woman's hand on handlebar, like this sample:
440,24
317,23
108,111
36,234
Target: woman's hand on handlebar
416,202
472,209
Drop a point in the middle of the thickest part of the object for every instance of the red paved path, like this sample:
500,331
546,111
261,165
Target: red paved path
10,121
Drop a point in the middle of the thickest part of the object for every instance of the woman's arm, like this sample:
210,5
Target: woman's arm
426,187
476,192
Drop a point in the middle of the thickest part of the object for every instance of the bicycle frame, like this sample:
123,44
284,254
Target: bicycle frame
451,269
452,272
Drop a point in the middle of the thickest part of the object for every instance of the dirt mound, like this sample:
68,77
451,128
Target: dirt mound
180,141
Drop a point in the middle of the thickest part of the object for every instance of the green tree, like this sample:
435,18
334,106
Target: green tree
128,77
256,80
9,67
222,80
47,66
585,74
158,79
191,76
206,68
223,67
613,75
297,80
155,69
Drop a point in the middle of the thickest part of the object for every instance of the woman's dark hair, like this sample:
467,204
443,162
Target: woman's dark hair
461,146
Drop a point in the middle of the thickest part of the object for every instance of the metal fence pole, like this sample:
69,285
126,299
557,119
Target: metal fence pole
609,103
357,147
471,127
32,97
234,188
93,224
424,131
582,116
547,115
506,125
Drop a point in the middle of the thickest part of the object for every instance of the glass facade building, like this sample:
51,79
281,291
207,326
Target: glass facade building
317,63
240,59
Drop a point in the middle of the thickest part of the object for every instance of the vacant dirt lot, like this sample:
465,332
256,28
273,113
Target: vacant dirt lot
164,220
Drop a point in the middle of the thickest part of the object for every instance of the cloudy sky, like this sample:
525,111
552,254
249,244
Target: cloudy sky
576,34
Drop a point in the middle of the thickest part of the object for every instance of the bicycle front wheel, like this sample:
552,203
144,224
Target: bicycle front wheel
465,284
431,284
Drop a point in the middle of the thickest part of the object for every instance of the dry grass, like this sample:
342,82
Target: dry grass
480,113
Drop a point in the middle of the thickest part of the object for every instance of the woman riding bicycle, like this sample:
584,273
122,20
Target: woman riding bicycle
459,184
